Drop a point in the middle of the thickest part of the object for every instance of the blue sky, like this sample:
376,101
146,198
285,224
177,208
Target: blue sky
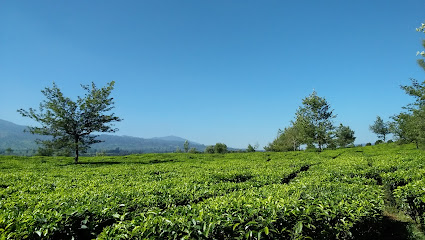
214,71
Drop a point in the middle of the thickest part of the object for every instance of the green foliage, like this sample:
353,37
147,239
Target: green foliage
344,136
178,150
404,128
410,126
416,90
186,146
315,120
220,148
209,149
380,128
250,148
72,124
47,152
289,139
313,127
193,150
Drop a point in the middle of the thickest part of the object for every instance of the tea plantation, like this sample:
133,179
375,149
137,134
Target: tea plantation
374,192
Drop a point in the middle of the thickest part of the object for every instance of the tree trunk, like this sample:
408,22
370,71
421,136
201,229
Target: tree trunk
76,150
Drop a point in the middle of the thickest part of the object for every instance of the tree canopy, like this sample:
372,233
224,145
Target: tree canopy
288,139
72,124
344,136
314,118
380,128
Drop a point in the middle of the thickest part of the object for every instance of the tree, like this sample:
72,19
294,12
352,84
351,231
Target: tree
344,136
178,150
250,148
287,140
220,148
380,128
410,126
405,128
314,120
186,146
72,124
209,149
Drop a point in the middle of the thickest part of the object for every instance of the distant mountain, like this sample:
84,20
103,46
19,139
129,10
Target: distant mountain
23,143
144,145
10,129
170,138
13,136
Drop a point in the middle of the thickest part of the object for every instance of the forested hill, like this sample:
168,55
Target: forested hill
13,137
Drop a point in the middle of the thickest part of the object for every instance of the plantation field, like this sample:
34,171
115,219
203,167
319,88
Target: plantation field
355,193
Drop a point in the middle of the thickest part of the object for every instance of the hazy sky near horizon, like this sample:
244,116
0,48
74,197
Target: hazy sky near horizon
214,71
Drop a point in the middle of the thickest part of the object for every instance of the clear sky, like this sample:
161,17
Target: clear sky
214,71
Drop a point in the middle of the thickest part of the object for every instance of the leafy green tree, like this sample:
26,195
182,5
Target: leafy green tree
314,119
250,148
220,148
293,137
380,128
406,129
344,136
416,90
178,150
72,124
277,145
209,149
288,139
186,146
410,126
